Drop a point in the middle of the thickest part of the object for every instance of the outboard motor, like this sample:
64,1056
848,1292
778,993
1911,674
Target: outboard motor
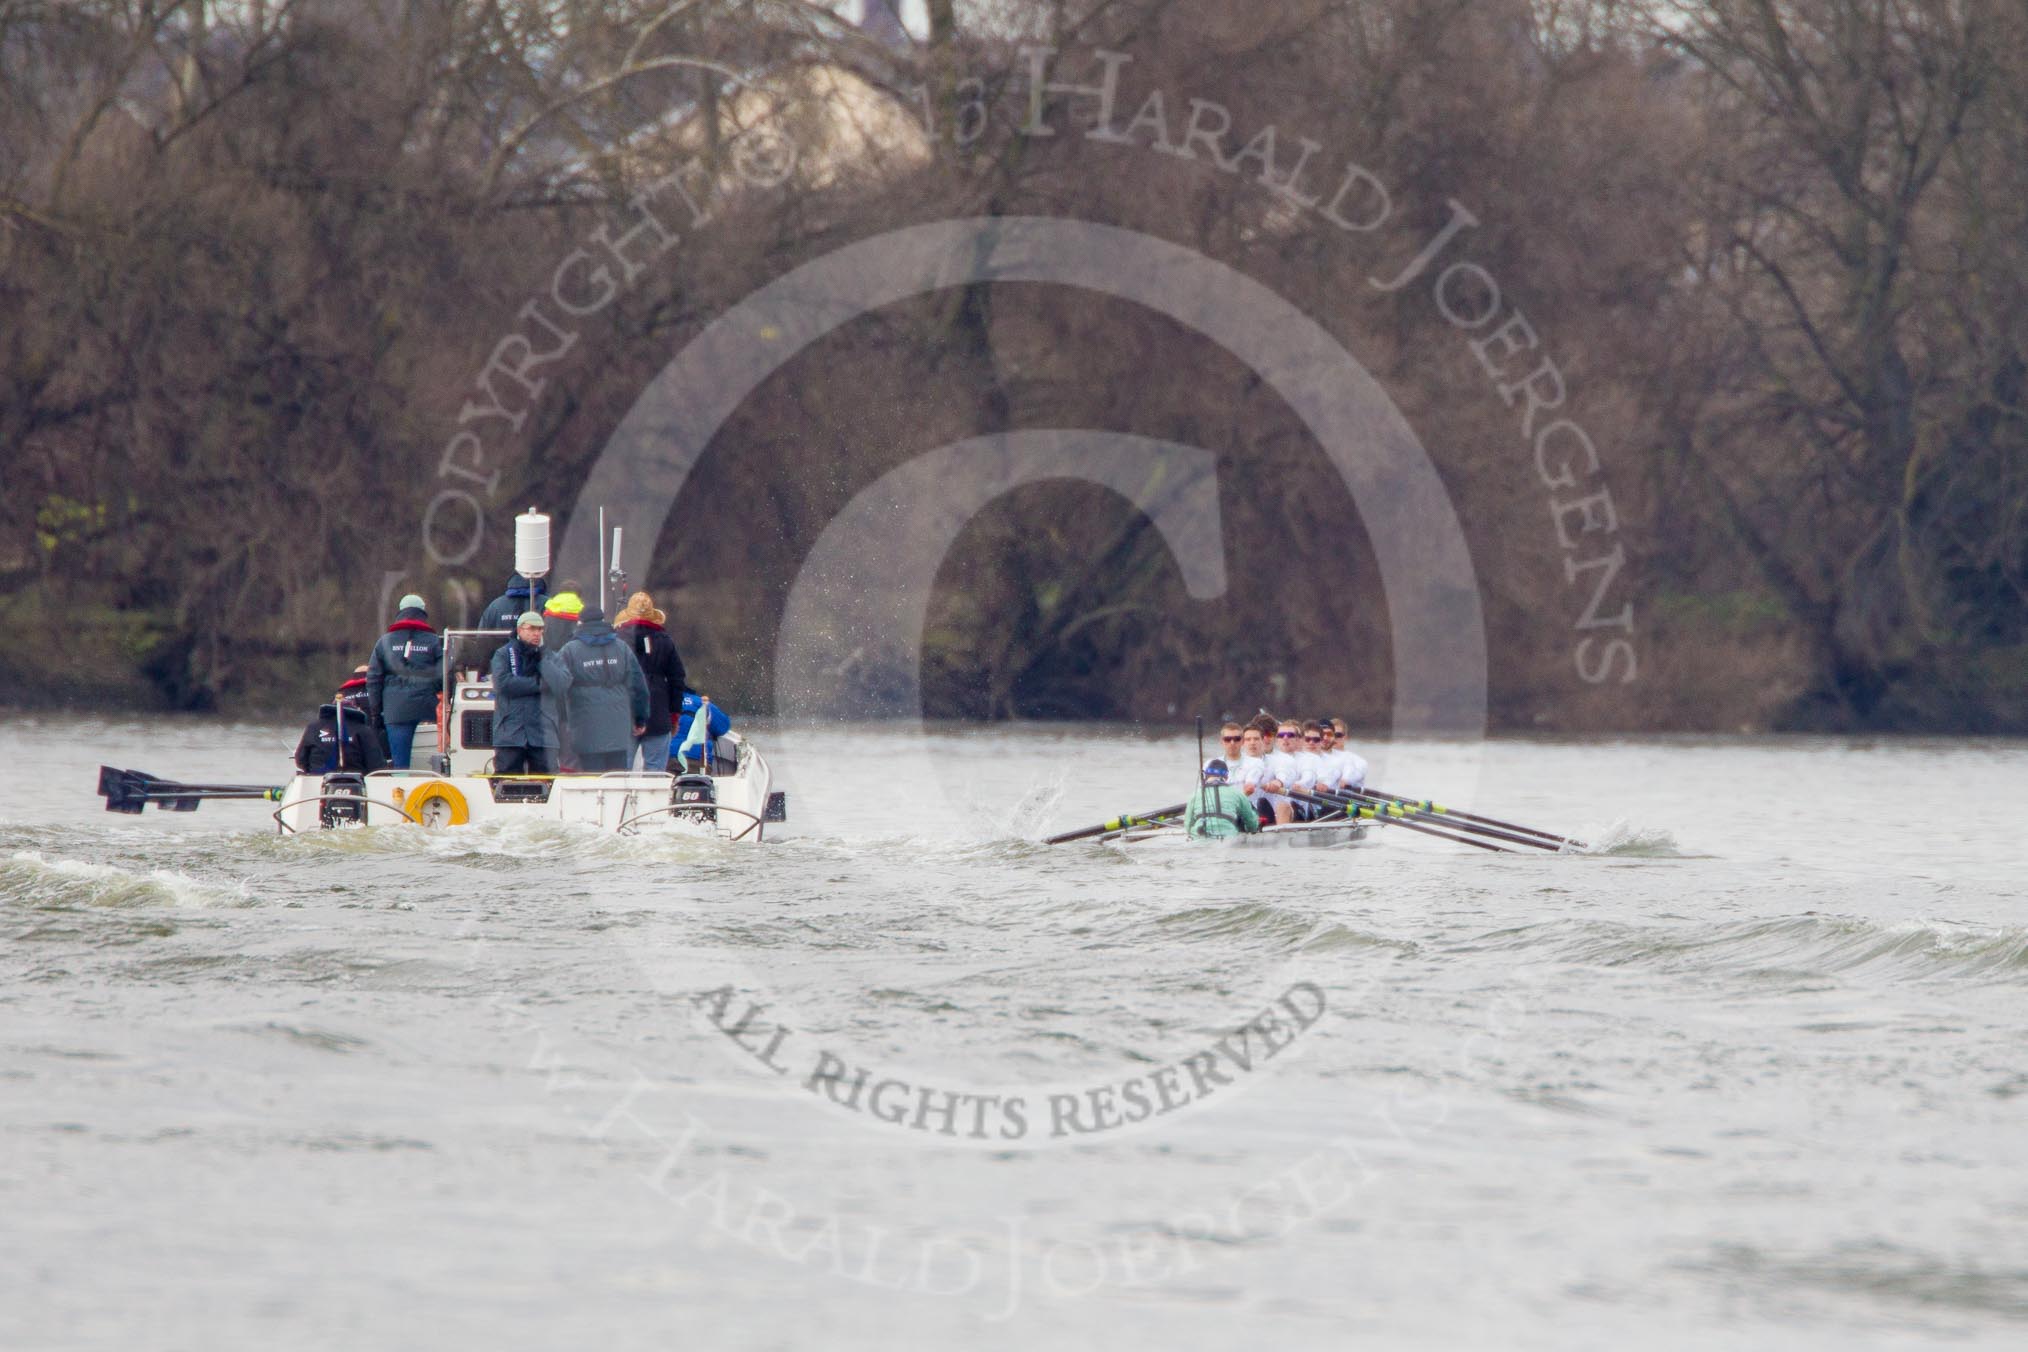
695,789
335,811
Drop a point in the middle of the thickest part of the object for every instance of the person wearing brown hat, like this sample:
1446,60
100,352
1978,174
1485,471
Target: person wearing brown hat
640,624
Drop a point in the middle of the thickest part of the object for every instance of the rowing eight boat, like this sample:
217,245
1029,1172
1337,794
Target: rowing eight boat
1305,834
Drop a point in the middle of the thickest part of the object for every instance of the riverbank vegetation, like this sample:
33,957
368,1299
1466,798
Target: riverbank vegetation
1766,258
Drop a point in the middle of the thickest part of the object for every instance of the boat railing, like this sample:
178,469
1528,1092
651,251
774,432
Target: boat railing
451,638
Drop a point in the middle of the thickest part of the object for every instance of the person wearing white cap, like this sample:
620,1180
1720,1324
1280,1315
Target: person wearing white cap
404,677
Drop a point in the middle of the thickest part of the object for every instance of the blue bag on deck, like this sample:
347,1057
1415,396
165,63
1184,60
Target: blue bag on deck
716,727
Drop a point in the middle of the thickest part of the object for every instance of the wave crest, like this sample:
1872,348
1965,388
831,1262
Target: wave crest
29,879
1815,944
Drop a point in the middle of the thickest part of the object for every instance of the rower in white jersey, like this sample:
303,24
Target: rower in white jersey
1303,786
1330,765
1249,772
1232,747
1309,769
1351,767
1283,773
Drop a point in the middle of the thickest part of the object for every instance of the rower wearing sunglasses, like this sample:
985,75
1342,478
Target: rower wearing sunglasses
1244,768
1251,773
1344,768
1284,773
1308,748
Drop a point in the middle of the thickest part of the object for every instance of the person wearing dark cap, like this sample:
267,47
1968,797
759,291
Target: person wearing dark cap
354,706
522,737
1217,810
521,595
404,677
596,681
342,736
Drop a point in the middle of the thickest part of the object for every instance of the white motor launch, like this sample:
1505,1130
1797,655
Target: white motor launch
715,786
723,788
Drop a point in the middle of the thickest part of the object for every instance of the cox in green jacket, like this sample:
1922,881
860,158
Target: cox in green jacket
1217,811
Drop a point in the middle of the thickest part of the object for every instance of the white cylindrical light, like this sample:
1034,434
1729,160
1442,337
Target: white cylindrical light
531,544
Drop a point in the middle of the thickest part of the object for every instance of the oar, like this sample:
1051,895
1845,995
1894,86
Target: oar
1142,831
1354,808
1428,806
147,783
1122,823
131,790
1394,806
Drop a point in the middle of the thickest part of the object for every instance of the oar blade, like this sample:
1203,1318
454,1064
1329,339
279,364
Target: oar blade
130,791
124,790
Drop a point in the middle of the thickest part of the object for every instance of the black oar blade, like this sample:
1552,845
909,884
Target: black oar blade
131,790
123,790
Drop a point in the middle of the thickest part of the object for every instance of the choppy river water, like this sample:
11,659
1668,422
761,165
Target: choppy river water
1754,1075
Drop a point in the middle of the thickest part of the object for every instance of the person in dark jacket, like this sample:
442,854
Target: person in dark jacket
598,684
520,595
522,737
640,624
354,706
340,737
353,691
404,678
560,613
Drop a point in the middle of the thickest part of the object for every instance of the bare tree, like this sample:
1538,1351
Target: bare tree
1857,415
